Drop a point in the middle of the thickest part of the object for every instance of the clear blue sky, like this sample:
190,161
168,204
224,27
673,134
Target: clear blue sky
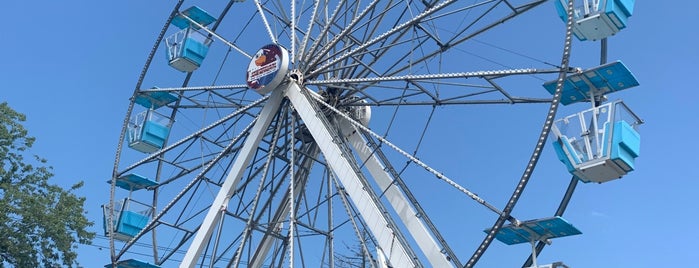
71,66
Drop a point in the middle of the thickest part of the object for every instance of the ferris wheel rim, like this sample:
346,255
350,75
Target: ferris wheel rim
117,171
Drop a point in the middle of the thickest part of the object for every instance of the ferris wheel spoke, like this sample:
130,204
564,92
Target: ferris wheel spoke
349,209
217,36
462,37
307,35
377,153
355,62
430,77
366,58
345,31
500,89
397,198
383,36
260,11
266,242
155,155
292,57
324,31
194,182
206,97
371,209
194,88
423,89
398,42
377,55
356,59
232,180
413,159
516,10
371,27
250,222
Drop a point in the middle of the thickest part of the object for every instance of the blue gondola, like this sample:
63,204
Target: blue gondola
597,19
148,131
132,263
187,48
130,216
599,144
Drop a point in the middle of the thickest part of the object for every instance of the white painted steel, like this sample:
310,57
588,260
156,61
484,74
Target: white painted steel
369,210
268,241
397,199
221,202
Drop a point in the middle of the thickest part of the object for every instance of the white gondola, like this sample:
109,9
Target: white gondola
129,216
131,263
148,130
187,48
597,19
599,144
552,265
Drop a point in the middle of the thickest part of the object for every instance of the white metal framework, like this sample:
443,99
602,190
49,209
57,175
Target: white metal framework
327,169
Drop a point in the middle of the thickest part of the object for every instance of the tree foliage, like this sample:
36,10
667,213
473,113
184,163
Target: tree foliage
41,223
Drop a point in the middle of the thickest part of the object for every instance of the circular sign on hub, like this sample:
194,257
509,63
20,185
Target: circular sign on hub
267,68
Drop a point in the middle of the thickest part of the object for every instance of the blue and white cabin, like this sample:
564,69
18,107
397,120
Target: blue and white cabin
597,19
187,48
551,265
148,131
599,144
132,263
130,216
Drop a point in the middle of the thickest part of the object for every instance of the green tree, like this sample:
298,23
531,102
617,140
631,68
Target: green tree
41,224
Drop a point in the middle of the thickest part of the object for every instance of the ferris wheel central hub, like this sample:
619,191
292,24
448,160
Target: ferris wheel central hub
267,69
296,76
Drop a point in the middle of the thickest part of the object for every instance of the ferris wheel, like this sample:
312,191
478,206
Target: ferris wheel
322,133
